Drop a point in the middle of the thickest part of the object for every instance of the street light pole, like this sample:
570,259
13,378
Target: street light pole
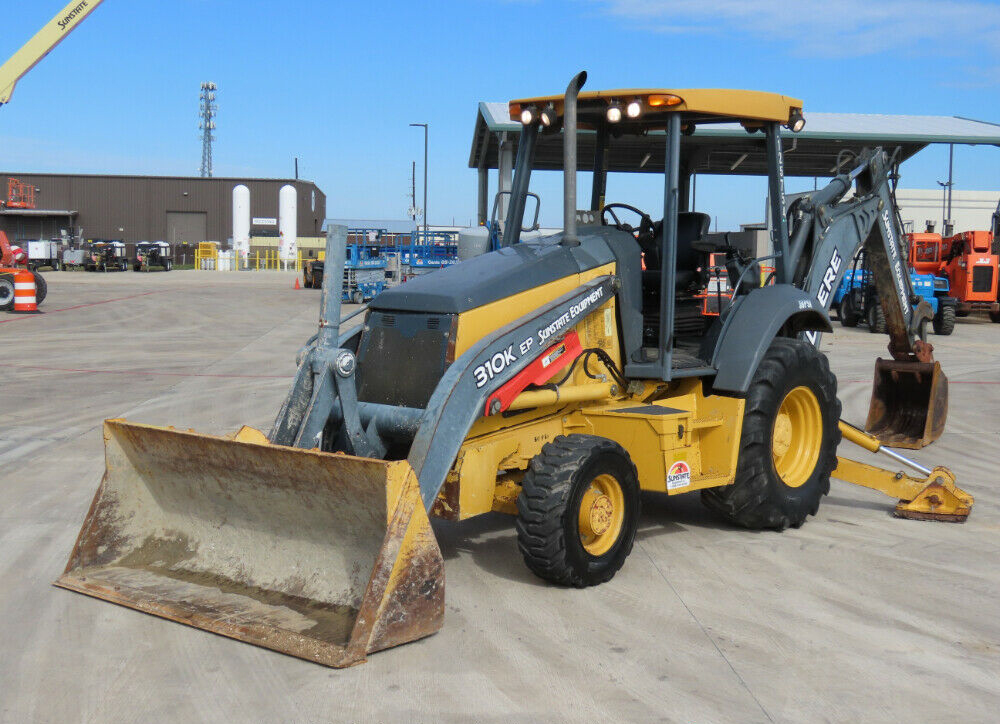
945,189
951,183
424,126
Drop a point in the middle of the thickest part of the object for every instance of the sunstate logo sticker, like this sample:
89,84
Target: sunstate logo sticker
679,475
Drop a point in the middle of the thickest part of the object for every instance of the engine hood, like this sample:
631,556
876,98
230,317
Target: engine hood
503,273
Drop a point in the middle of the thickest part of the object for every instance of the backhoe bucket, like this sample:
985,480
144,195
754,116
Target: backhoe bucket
323,556
909,403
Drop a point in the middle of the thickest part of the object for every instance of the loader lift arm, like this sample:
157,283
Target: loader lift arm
32,52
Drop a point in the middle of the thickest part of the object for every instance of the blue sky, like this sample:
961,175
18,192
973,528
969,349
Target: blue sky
337,83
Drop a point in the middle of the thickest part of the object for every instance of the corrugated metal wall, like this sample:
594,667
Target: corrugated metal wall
135,208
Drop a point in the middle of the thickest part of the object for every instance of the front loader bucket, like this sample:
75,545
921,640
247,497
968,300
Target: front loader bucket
909,403
323,556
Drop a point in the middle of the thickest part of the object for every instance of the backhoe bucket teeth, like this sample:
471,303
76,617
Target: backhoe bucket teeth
323,556
909,403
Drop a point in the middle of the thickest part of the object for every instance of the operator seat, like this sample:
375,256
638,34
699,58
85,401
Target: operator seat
688,320
691,227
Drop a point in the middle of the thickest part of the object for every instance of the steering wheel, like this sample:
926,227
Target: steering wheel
645,221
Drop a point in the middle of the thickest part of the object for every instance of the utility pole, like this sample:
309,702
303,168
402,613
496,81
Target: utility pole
208,112
424,125
413,191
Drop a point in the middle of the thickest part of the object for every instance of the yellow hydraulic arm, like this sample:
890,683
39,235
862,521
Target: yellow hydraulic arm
64,23
932,496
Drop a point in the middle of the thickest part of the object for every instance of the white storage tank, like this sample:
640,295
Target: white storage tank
473,241
241,222
287,224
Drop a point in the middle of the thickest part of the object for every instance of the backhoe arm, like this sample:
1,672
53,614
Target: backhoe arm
909,402
829,231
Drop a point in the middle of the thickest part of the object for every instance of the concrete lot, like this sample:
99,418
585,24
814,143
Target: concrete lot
854,617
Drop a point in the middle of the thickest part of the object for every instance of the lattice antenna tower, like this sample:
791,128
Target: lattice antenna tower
207,125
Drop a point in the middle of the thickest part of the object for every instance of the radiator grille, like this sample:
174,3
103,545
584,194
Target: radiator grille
982,278
401,357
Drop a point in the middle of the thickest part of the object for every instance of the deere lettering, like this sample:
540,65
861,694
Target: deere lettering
829,278
73,14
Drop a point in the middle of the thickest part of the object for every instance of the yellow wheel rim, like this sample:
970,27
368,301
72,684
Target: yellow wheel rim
601,515
797,437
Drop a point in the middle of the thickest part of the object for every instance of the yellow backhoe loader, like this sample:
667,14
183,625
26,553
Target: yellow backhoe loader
553,379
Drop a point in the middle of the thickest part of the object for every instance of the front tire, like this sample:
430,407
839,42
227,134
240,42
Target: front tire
6,293
788,444
578,510
944,320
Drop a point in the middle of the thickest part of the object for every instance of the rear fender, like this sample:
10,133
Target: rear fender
740,341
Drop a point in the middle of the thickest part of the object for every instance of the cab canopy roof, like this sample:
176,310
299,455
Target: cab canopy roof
699,105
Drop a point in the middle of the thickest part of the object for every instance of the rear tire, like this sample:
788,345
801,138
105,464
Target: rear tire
876,319
788,444
944,320
578,510
995,317
41,288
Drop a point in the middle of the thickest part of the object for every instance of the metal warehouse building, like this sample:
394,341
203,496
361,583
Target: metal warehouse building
176,209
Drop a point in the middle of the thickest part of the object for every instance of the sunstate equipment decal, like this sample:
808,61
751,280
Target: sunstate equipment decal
679,475
507,357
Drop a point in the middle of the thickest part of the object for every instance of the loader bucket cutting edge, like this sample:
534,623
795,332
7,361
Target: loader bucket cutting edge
323,556
909,403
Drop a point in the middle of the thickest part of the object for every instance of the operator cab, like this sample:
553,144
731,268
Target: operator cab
681,262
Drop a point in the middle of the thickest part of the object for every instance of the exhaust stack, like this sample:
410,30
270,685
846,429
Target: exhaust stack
569,159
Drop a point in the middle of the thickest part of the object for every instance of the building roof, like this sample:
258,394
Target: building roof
729,149
393,226
218,179
37,212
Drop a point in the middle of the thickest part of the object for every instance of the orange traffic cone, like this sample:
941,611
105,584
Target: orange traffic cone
297,283
24,293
